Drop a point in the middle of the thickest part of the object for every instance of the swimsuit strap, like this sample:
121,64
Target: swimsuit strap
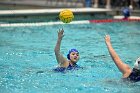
70,67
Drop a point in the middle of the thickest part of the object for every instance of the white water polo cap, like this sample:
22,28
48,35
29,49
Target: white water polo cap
137,64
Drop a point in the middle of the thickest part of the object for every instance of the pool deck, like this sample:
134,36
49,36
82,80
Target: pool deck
57,10
52,11
50,3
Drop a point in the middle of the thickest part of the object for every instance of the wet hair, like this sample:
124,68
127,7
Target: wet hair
71,50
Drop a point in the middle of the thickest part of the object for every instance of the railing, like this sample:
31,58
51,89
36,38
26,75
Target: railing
65,3
48,3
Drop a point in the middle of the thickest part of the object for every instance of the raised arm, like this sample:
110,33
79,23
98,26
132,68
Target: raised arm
59,57
124,68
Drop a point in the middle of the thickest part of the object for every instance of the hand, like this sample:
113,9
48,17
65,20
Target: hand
60,33
107,39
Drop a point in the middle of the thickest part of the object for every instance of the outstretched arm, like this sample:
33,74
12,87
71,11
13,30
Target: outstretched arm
59,57
124,68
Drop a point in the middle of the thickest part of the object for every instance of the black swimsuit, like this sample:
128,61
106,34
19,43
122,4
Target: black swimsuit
134,76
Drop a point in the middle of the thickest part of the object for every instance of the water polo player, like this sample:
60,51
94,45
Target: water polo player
126,13
68,63
128,73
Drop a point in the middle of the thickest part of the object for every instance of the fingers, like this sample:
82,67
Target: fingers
107,36
60,33
60,30
107,39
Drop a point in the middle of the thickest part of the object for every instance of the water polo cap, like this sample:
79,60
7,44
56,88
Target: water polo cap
137,64
72,50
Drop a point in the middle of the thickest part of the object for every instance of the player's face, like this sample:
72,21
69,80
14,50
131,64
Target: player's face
74,56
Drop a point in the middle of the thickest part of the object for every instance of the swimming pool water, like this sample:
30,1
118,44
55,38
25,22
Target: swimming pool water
27,58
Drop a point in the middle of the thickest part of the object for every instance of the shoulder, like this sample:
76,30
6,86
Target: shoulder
65,64
126,75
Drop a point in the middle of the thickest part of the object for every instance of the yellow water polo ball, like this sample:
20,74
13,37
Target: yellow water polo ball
66,16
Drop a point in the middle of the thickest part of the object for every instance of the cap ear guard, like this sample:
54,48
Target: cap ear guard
137,64
68,56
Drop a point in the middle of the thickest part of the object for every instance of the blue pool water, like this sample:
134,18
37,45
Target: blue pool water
27,58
